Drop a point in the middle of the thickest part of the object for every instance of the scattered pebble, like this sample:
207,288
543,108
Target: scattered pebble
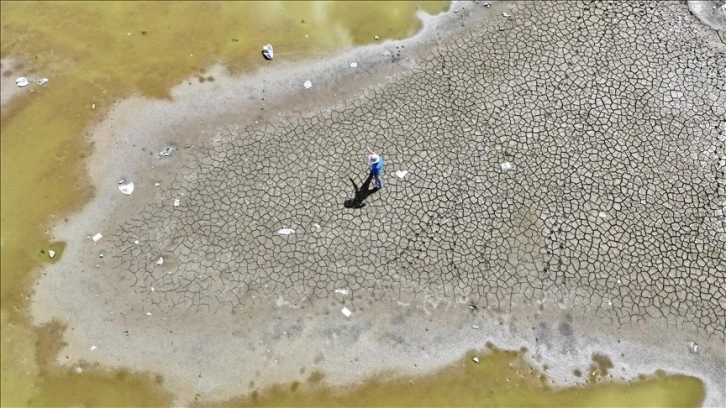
97,237
93,348
506,166
346,312
376,38
401,173
51,253
148,313
476,360
127,188
342,291
286,231
353,64
22,81
79,370
307,84
167,152
693,346
267,52
42,81
475,327
160,261
506,15
177,202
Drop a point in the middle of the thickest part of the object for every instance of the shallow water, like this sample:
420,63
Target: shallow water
499,378
95,53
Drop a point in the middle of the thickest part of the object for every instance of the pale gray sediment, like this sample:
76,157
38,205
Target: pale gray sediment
606,233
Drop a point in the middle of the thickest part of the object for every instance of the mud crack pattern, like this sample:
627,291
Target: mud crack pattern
612,115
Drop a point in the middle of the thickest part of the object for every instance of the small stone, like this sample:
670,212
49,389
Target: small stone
177,202
376,38
152,289
22,82
286,231
167,152
475,327
693,346
127,188
506,15
346,312
353,64
42,81
342,291
267,52
97,237
51,253
476,360
506,166
148,313
100,255
401,173
307,84
160,261
93,348
79,370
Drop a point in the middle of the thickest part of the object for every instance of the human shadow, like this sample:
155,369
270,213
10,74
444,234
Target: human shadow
360,193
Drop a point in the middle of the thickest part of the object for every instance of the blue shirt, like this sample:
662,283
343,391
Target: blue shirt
376,168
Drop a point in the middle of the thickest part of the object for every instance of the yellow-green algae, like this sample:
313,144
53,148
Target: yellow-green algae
500,378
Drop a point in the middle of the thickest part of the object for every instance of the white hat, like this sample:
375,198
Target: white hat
373,158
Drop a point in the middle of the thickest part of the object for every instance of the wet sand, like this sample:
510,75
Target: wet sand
215,349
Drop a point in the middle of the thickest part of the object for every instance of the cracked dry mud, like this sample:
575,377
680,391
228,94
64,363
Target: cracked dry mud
612,115
615,131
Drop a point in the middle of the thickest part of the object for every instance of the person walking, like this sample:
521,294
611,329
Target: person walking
375,163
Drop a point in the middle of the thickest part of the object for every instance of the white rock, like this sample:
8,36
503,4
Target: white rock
474,326
51,253
506,15
346,312
307,84
286,231
342,291
177,202
693,346
602,214
476,360
353,64
42,81
267,52
152,289
148,313
316,226
79,370
160,261
22,81
376,38
506,166
93,348
97,237
401,173
127,188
